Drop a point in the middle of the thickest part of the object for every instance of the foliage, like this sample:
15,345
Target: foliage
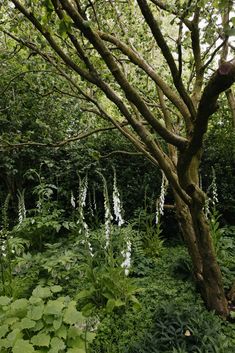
107,288
183,330
42,324
171,317
218,144
216,231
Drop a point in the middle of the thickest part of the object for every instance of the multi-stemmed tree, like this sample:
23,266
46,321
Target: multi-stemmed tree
155,70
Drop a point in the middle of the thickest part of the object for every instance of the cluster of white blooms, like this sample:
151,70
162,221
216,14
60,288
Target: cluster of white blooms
81,220
3,248
214,190
90,248
127,258
108,217
21,207
72,200
107,212
83,191
117,209
161,201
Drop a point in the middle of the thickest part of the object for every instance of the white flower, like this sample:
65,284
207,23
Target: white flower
117,202
107,215
83,192
157,213
162,195
90,249
161,201
72,200
126,264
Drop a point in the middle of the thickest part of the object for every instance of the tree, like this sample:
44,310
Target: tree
148,67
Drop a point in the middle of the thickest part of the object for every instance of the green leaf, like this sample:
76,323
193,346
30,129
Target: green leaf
56,289
84,294
90,336
57,323
72,316
57,345
62,332
74,332
63,29
112,303
76,350
53,307
42,292
27,323
232,314
41,340
22,346
39,325
11,320
3,330
231,32
48,5
88,309
4,300
35,312
14,335
35,300
4,343
19,308
76,342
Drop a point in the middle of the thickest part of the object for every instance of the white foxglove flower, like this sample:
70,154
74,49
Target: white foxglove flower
108,220
72,200
90,249
214,190
117,202
161,201
162,195
107,212
83,191
21,207
127,258
157,213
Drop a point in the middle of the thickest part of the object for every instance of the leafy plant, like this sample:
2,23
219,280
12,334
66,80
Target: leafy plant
43,324
108,288
216,231
186,330
149,232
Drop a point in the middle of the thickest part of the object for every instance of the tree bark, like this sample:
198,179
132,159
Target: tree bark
206,271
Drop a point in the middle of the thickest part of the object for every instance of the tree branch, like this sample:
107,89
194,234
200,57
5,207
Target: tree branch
136,59
153,25
131,94
220,81
53,43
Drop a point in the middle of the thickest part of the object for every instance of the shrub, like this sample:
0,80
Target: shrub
42,324
185,330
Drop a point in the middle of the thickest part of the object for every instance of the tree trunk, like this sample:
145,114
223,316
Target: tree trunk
196,233
206,271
